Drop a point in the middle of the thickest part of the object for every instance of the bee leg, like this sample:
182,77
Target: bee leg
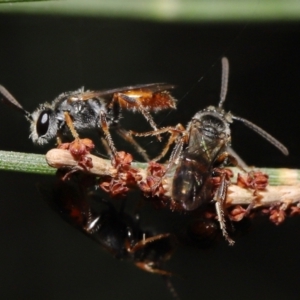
104,126
139,106
149,267
142,243
179,136
124,133
58,140
175,137
220,198
79,148
166,148
105,145
227,159
128,138
174,131
175,154
178,128
70,125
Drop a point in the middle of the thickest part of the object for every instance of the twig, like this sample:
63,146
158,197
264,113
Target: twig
58,158
284,184
283,188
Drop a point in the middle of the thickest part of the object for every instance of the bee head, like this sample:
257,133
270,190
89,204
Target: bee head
214,123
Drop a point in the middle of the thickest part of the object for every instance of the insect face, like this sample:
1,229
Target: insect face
48,120
209,132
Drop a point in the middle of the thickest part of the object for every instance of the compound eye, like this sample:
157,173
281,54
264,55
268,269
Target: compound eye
42,124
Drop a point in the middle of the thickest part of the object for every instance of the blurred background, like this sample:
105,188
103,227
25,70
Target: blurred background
43,55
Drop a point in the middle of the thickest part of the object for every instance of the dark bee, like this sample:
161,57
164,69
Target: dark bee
201,152
84,110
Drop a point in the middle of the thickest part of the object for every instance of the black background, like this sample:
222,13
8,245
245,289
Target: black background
41,257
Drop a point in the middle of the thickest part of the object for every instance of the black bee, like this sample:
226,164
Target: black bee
200,153
85,110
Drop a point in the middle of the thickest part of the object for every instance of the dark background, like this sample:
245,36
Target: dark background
41,257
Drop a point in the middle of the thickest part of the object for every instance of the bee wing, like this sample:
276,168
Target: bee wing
153,96
195,145
152,87
149,97
84,96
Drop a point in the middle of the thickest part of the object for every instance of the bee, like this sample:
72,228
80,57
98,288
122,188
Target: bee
201,151
75,111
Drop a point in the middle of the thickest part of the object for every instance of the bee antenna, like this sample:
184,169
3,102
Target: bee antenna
224,81
264,134
11,100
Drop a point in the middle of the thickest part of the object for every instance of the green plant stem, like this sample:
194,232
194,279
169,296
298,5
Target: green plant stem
25,162
165,10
